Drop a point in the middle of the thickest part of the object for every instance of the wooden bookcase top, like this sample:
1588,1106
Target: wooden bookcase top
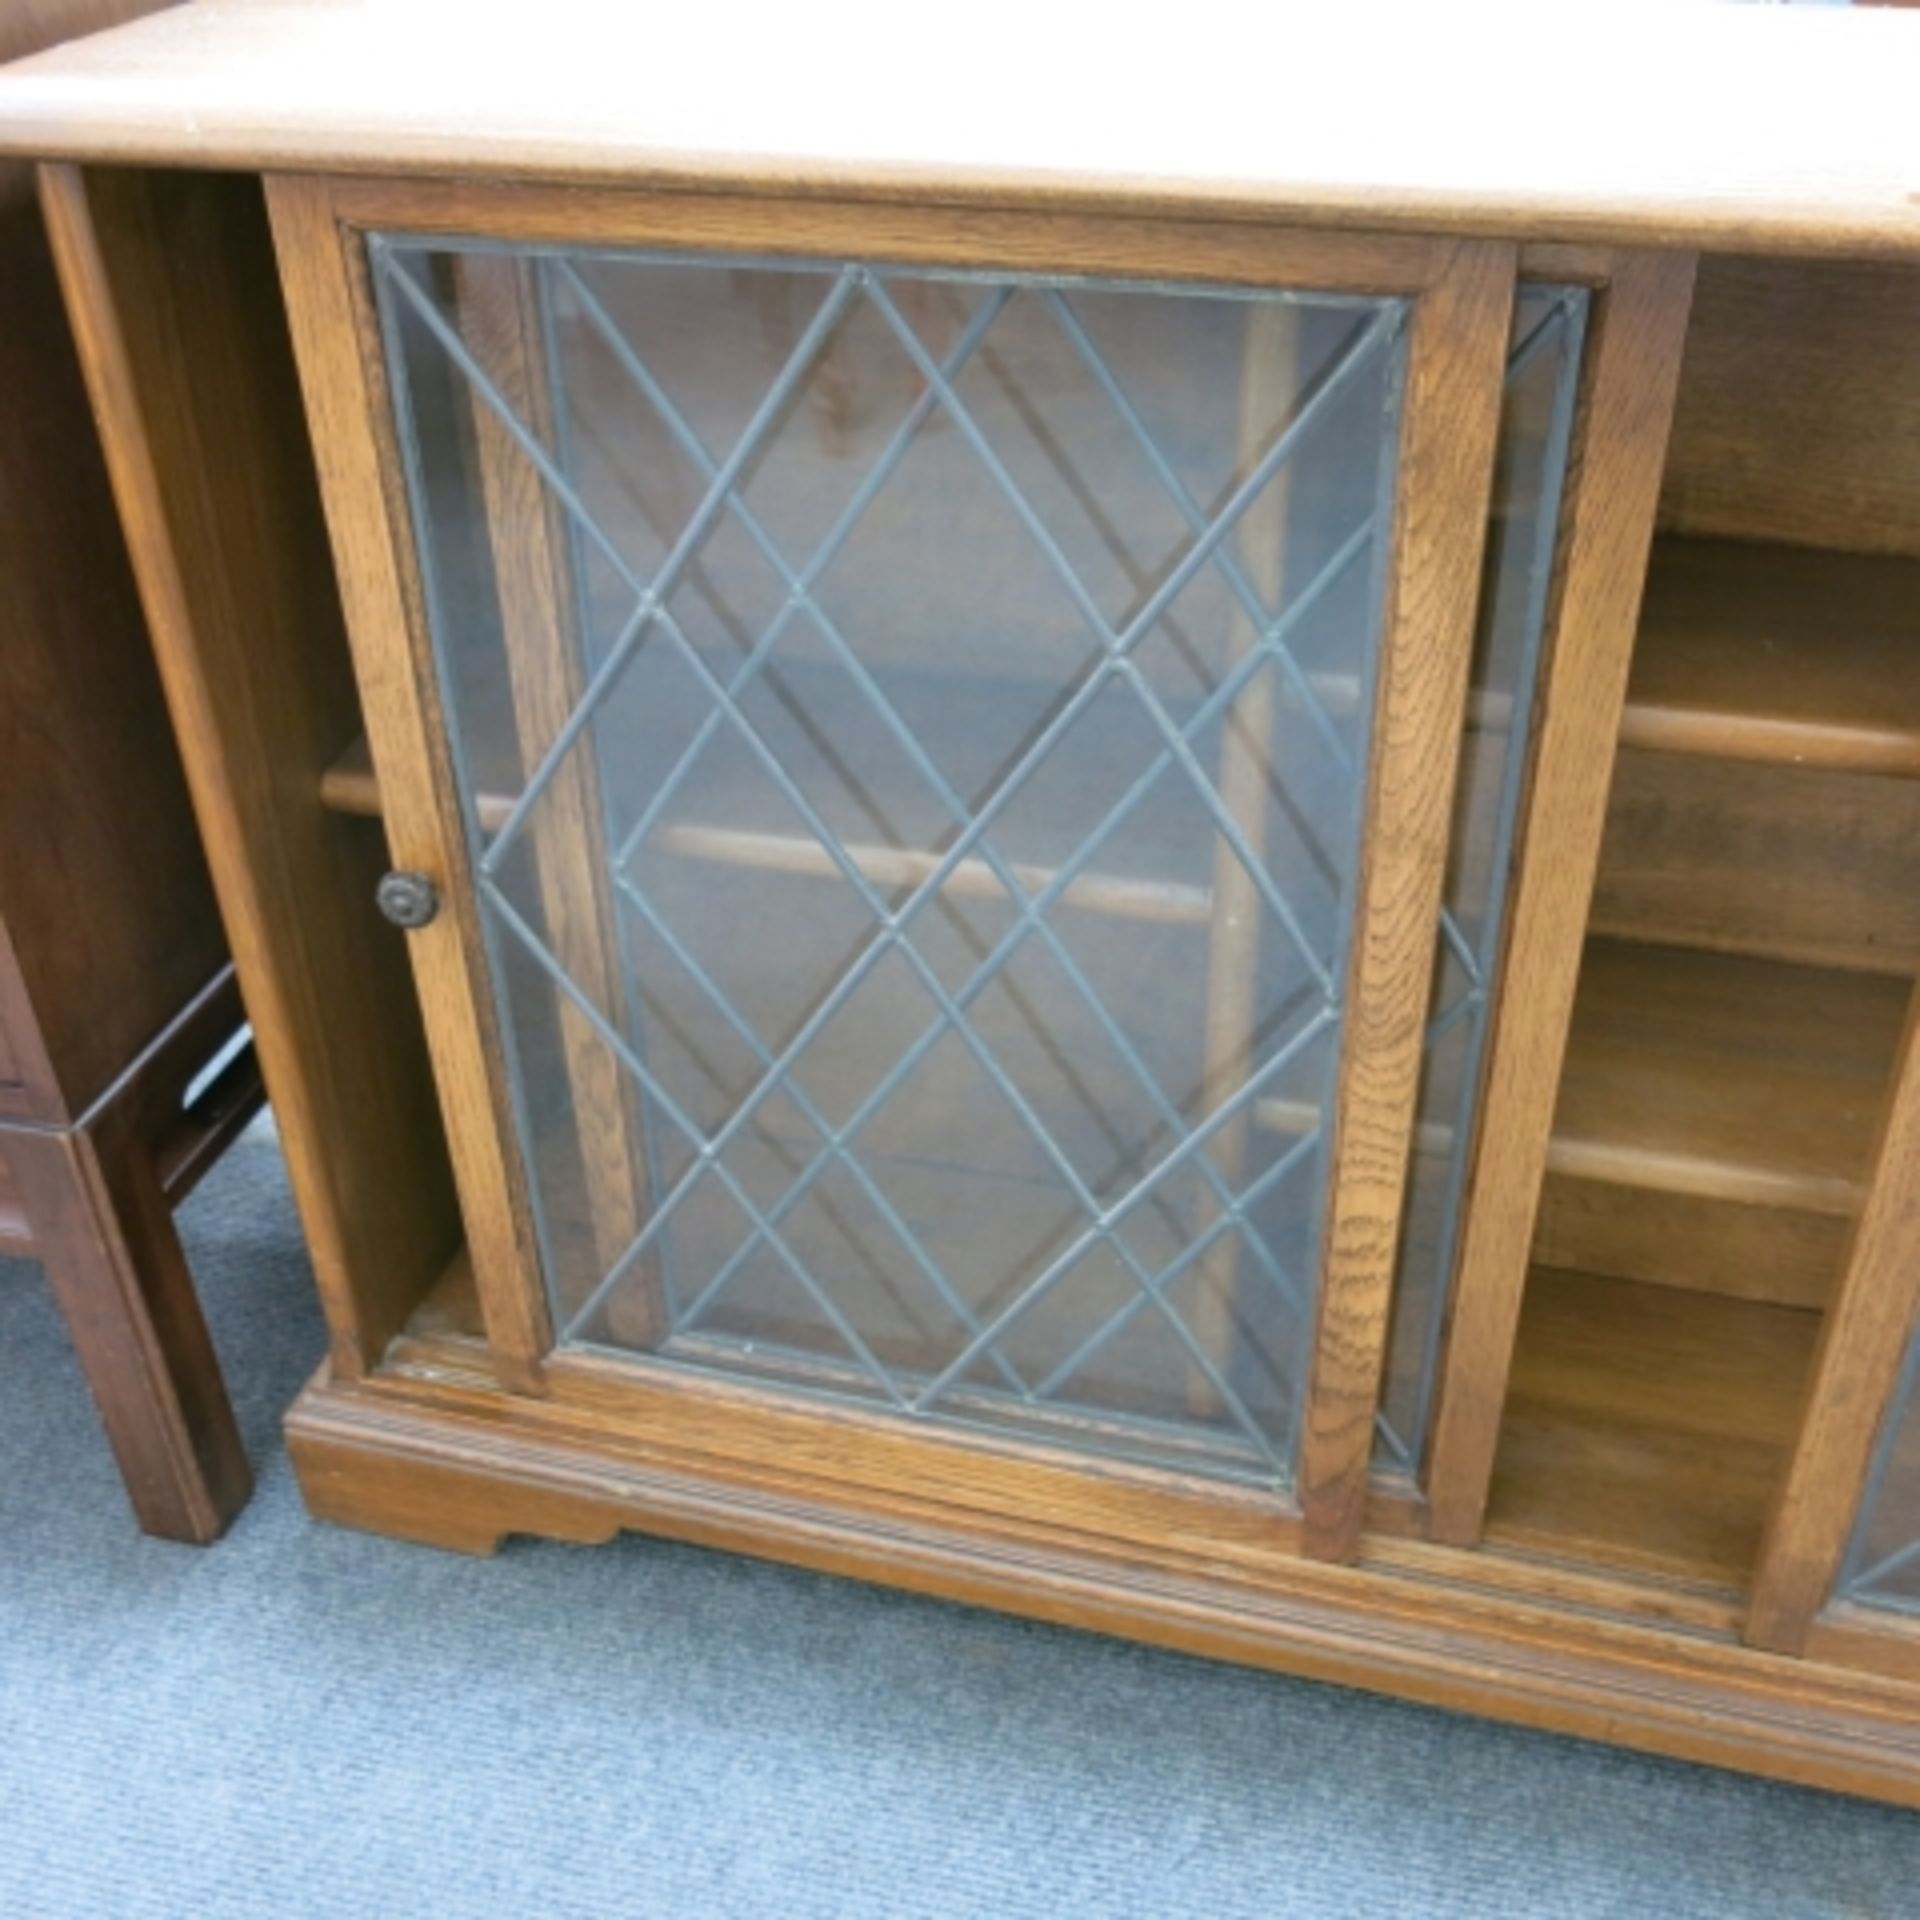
1753,128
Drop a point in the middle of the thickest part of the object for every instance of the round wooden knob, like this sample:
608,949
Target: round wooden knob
407,899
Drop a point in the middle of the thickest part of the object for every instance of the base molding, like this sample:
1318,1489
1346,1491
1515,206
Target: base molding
457,1469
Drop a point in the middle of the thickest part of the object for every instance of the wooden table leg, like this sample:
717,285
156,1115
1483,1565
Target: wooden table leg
104,1232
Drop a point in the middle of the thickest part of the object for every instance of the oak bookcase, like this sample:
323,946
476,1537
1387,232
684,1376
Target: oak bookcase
1161,867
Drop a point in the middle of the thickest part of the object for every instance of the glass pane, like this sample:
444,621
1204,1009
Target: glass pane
913,730
1543,366
1882,1567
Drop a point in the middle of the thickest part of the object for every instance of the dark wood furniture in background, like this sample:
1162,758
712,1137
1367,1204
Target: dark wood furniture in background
1567,1385
116,995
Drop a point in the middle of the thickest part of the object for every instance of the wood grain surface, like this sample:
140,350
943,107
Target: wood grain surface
1626,408
169,280
1456,366
1377,115
349,415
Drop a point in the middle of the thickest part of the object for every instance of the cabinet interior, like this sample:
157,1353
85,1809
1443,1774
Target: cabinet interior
1754,934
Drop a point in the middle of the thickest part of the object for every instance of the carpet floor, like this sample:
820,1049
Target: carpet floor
304,1721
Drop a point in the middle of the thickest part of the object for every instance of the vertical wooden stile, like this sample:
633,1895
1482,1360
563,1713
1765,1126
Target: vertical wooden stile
324,274
1449,428
1635,337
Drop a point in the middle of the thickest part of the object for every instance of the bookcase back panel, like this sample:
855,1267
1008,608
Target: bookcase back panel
1813,865
1793,367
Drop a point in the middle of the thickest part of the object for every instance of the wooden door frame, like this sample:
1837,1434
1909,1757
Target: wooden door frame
1460,296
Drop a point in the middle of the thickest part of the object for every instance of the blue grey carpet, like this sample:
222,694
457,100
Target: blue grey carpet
303,1721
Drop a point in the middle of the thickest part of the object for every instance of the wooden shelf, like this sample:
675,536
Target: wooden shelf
1724,1077
1712,1076
1647,1428
350,786
1782,654
1764,800
1817,865
1716,1120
